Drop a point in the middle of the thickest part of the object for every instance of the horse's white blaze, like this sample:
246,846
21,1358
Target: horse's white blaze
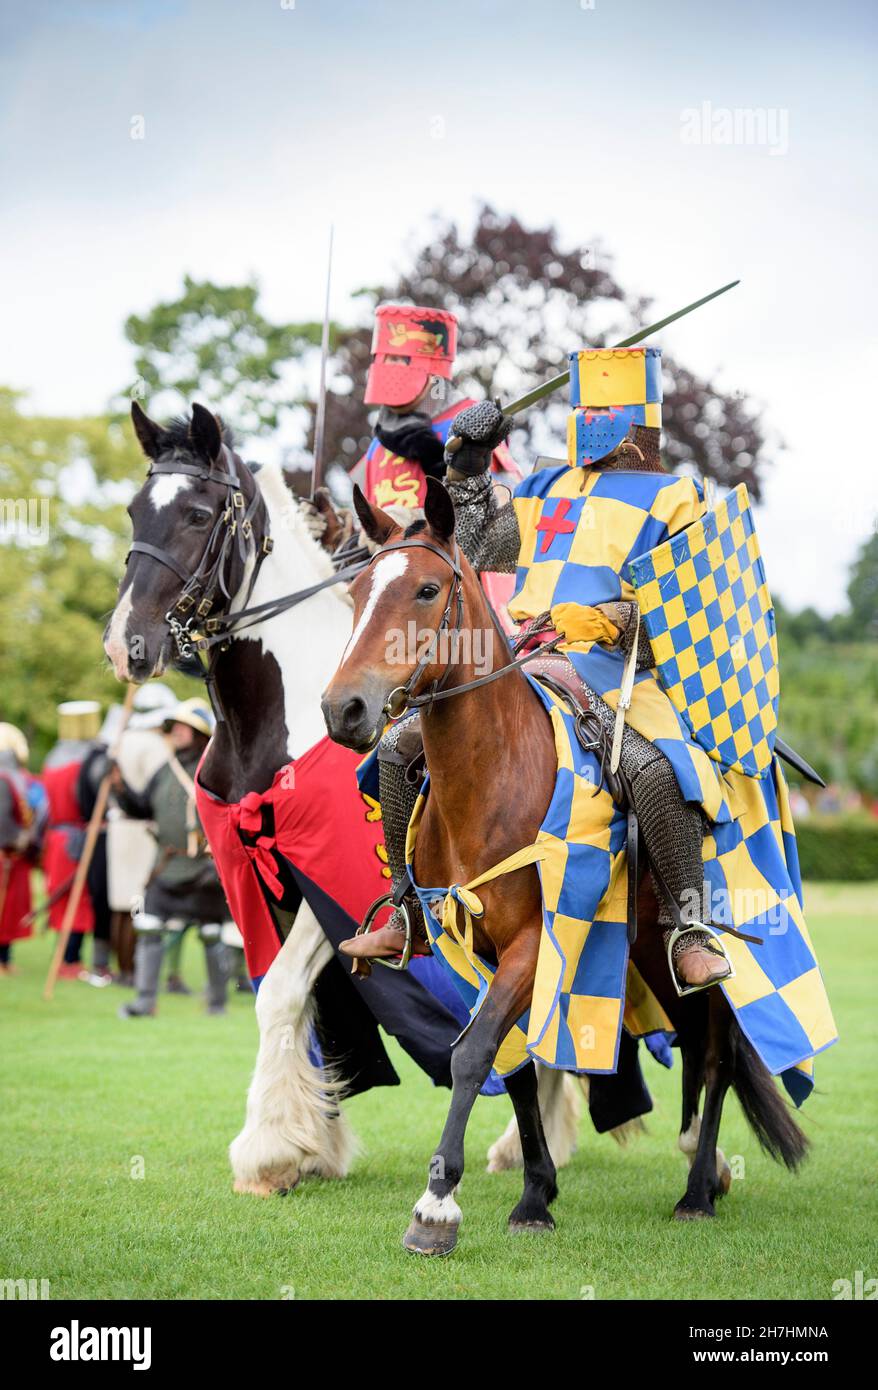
163,488
115,645
388,568
432,1209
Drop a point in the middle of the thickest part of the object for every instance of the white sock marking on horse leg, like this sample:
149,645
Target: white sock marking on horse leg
688,1140
432,1209
388,568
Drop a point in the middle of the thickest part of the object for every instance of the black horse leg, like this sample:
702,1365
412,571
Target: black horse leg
692,1037
540,1188
704,1181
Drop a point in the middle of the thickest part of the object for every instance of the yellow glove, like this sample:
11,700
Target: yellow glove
580,623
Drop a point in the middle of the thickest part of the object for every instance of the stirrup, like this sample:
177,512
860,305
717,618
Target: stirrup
716,949
389,962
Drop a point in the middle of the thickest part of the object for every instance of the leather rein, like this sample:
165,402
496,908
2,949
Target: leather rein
402,698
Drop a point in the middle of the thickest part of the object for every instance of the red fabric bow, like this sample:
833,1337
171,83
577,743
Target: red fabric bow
248,814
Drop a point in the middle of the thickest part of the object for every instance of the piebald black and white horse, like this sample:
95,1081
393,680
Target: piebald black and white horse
268,680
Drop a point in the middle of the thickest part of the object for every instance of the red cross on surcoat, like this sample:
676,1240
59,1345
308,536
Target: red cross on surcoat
555,525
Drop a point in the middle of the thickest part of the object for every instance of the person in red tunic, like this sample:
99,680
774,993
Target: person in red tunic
78,725
21,824
413,350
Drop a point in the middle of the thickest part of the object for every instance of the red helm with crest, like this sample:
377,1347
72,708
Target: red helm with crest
409,345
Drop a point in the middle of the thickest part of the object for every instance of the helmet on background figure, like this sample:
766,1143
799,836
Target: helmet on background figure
79,720
13,741
152,704
196,713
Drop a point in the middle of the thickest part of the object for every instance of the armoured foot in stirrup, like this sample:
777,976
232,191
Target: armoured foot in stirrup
696,958
392,945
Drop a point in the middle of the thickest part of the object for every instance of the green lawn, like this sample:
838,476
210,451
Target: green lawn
86,1096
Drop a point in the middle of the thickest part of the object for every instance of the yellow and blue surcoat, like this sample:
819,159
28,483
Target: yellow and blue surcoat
580,531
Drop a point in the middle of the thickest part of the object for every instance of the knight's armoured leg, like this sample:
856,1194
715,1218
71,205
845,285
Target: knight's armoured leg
398,755
673,832
672,829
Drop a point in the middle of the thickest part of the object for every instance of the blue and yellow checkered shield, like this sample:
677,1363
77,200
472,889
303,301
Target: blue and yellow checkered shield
706,607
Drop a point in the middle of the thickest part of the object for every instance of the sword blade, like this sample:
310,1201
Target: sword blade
547,387
320,417
789,755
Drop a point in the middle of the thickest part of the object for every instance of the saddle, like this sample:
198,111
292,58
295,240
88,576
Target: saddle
555,670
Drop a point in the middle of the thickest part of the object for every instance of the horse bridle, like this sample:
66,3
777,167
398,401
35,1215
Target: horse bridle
232,530
402,698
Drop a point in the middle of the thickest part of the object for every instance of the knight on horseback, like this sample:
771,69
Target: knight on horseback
413,351
569,533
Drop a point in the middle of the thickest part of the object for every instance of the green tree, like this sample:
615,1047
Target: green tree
213,343
64,485
863,590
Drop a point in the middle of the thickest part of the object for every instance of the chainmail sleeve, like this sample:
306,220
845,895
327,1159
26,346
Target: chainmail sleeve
488,532
622,613
645,658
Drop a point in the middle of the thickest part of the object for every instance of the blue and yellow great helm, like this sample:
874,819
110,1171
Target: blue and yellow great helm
611,389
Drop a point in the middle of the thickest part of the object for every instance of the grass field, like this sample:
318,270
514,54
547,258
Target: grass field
89,1100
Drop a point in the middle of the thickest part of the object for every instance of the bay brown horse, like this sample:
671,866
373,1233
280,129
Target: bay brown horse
491,756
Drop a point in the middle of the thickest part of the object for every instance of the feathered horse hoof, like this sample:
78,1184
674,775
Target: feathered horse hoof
430,1237
265,1187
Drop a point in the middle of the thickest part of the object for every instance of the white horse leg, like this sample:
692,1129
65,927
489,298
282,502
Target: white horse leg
293,1124
560,1106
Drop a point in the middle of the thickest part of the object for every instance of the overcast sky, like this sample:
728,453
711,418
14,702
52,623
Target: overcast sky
265,120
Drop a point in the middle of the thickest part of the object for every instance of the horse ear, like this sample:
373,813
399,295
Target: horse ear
439,510
377,524
147,431
206,433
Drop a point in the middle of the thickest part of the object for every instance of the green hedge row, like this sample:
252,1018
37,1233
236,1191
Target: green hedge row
844,849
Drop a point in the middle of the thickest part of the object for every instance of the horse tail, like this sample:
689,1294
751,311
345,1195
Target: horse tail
767,1113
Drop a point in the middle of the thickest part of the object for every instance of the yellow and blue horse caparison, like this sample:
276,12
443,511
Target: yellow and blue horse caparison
586,989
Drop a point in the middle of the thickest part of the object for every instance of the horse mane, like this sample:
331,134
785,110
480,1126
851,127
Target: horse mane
287,510
175,433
